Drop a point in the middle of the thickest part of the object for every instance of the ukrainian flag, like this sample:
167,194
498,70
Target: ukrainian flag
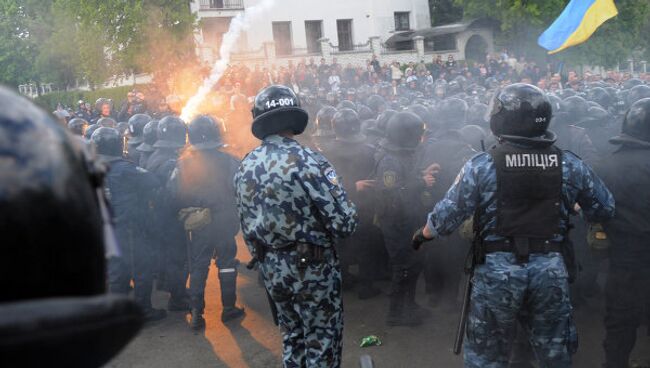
578,21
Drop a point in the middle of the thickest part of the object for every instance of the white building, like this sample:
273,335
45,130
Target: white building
296,26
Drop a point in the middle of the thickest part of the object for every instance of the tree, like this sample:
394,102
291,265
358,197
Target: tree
16,48
444,12
523,21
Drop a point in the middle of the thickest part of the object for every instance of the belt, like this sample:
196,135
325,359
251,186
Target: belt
535,246
306,252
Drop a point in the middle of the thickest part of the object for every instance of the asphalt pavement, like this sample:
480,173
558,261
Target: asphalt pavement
256,342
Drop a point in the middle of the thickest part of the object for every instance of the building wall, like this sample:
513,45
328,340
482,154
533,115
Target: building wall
369,18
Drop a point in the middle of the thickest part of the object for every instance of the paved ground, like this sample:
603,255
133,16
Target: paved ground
256,341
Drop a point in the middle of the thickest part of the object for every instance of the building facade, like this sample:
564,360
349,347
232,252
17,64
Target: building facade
295,27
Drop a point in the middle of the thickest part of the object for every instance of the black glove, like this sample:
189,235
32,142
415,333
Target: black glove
419,239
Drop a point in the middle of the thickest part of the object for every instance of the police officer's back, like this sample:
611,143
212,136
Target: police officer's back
520,193
292,210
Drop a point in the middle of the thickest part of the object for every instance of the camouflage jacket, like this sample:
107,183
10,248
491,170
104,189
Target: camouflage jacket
476,185
287,193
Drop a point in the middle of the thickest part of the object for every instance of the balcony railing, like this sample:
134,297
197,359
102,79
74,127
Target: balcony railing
221,4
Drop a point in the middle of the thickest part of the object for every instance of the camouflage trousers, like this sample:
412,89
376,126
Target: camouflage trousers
536,294
310,309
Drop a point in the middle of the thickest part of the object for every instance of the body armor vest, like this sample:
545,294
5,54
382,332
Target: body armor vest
529,191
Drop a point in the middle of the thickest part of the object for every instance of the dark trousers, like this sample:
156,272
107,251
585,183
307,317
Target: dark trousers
174,259
205,244
625,292
135,263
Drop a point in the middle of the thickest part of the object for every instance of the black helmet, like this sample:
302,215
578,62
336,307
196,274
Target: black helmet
631,83
90,130
424,114
473,135
403,132
383,119
521,112
369,128
476,114
101,102
556,103
576,108
347,126
204,133
107,122
452,112
276,109
600,96
107,141
78,126
636,126
324,125
149,137
171,133
346,104
376,103
50,215
598,114
637,92
136,126
365,113
123,128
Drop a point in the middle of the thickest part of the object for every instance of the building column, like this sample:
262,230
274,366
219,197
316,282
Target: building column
375,45
644,64
269,51
325,48
419,47
631,68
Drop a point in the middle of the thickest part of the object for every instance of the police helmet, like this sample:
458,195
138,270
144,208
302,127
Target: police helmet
637,92
171,133
473,135
376,103
600,96
521,112
149,137
347,126
452,112
383,119
90,130
277,109
631,83
365,113
324,126
425,115
346,104
204,133
575,106
136,126
476,114
403,132
107,122
636,126
107,141
78,126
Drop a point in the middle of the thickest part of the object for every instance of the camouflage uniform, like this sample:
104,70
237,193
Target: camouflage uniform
503,288
288,195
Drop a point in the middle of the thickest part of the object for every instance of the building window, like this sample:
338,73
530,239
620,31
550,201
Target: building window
402,21
344,30
282,38
314,32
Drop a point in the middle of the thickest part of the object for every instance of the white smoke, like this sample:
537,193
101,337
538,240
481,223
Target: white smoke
238,24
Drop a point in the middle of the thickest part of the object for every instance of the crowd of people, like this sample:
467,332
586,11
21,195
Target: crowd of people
397,137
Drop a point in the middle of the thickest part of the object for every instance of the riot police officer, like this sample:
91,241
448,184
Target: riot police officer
521,193
127,189
324,128
173,275
137,123
203,192
626,171
397,194
149,138
78,126
52,270
293,209
354,162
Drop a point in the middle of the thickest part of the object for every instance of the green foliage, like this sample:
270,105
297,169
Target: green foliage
65,41
522,21
444,12
70,98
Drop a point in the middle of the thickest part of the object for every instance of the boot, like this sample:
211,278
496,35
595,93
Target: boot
228,281
197,322
397,314
411,307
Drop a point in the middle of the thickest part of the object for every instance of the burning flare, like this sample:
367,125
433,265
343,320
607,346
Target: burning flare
238,24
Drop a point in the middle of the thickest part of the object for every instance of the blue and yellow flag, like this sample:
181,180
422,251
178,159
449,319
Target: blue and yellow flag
578,21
